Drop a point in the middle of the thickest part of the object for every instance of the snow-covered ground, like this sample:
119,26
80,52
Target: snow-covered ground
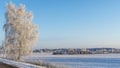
72,61
78,56
19,64
79,61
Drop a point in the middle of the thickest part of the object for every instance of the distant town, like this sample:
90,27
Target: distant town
72,51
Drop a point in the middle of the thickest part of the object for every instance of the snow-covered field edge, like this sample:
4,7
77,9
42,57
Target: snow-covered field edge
77,56
19,64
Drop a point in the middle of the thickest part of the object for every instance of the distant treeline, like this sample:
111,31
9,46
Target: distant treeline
68,51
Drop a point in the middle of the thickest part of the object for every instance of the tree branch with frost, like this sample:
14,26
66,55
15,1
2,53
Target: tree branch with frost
20,32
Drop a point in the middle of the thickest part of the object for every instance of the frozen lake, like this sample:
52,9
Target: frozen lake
81,61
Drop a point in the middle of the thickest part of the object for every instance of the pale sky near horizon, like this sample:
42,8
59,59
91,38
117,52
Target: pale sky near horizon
72,23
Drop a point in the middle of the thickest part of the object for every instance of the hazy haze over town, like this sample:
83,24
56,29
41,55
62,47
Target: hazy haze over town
73,23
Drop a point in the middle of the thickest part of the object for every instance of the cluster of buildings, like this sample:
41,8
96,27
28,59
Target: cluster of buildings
64,51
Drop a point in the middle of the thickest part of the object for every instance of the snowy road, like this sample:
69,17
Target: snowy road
19,64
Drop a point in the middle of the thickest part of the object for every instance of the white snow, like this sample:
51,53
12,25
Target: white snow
72,61
19,64
78,56
79,61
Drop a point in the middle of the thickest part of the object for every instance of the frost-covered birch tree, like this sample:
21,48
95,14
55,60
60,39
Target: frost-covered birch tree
20,32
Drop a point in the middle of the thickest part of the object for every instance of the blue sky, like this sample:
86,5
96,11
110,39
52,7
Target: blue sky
72,23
